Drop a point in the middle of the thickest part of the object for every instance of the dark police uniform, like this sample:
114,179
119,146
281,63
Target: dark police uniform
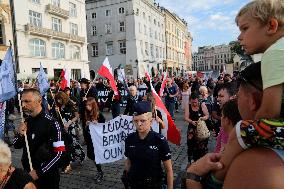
46,149
145,157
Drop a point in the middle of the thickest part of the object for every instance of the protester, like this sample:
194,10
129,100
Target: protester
145,149
186,91
67,114
11,177
45,142
115,101
170,93
265,17
93,115
253,163
132,98
193,112
230,117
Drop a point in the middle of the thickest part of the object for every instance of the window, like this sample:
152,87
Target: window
58,50
73,29
109,48
95,50
94,15
155,22
72,10
37,47
156,35
157,52
141,47
94,30
144,15
121,10
146,49
36,1
122,47
55,3
56,24
76,74
149,18
152,50
35,18
36,70
121,26
150,31
108,28
75,52
139,26
145,29
108,12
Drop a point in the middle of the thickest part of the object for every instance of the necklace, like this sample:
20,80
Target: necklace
5,178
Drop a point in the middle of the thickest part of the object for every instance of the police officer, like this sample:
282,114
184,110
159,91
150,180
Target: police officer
45,142
145,149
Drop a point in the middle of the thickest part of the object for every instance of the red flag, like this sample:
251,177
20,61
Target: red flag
63,82
165,77
106,71
173,134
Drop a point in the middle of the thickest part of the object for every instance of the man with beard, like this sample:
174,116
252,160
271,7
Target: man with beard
45,142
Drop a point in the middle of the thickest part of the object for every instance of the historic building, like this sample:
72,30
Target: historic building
130,33
52,32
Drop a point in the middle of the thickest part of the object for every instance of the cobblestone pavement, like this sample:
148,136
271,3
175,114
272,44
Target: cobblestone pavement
82,177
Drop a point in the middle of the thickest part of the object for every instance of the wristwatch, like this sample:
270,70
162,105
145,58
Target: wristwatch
193,176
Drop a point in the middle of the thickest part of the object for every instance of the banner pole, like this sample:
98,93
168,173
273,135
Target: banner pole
90,86
25,134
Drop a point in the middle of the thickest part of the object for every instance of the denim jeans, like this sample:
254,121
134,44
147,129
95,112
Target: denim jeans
171,108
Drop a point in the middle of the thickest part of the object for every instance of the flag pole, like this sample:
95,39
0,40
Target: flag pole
25,134
60,116
90,86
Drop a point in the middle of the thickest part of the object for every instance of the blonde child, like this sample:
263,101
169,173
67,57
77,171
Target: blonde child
261,23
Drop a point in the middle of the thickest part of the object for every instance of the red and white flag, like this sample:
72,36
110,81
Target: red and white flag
172,134
106,71
64,79
163,85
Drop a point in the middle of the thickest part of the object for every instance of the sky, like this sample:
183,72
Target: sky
210,22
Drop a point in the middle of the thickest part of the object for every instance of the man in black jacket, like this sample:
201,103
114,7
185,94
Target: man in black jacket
45,142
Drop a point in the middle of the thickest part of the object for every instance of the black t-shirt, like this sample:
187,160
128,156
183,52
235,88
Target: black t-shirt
18,179
146,155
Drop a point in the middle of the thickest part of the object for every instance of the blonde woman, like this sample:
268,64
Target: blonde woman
11,177
185,95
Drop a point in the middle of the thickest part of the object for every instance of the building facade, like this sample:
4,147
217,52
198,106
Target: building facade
177,43
130,33
6,34
53,33
212,58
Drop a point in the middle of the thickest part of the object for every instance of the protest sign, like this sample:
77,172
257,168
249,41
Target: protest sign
2,119
108,138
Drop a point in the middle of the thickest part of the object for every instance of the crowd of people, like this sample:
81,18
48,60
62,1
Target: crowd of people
243,112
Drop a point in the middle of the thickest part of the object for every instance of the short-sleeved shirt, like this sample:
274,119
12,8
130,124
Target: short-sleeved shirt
170,91
146,155
272,65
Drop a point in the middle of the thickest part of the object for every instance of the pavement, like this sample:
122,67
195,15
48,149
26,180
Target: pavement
82,176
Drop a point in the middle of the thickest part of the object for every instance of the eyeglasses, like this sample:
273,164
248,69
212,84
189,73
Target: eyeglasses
242,78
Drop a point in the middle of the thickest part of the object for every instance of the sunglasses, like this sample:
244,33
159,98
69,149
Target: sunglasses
243,79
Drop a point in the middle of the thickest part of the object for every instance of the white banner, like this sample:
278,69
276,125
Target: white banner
108,138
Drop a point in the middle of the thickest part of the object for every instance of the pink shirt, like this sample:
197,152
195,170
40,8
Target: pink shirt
221,141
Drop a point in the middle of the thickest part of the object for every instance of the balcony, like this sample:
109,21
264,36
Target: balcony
57,11
44,32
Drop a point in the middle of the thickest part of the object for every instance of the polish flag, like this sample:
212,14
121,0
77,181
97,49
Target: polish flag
163,85
106,71
172,132
63,80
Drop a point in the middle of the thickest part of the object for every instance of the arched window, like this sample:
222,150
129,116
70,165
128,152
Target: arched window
37,47
75,52
58,50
